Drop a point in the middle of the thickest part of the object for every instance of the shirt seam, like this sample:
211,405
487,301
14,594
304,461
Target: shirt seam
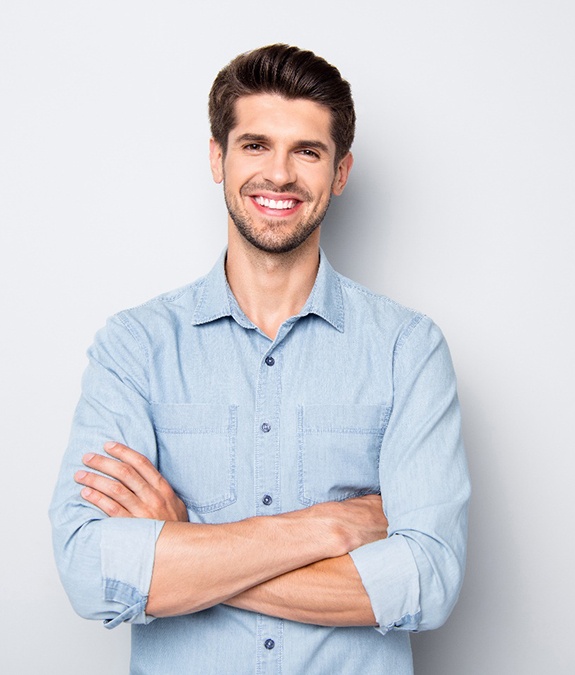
407,333
348,283
122,317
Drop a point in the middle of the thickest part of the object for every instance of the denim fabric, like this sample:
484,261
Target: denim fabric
355,395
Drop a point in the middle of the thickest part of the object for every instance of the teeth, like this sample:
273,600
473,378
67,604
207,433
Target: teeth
273,204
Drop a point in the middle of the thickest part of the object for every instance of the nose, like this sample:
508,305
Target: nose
279,168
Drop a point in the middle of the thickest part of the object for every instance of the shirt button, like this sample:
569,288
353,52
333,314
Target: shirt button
269,644
267,500
266,427
270,360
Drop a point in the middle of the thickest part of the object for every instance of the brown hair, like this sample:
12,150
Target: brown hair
290,72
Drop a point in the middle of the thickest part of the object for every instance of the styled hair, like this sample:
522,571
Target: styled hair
290,72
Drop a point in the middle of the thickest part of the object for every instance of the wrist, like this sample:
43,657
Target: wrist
320,525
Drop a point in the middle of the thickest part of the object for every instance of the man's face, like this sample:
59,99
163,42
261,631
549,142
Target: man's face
278,171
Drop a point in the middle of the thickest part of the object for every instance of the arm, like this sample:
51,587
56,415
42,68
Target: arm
107,563
413,577
229,559
326,593
234,558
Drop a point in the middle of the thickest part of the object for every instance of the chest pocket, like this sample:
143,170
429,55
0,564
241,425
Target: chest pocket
197,452
338,453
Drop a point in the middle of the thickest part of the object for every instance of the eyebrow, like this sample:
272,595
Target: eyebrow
261,138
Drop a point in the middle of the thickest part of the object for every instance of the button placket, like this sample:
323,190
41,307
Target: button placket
266,460
270,644
267,424
267,427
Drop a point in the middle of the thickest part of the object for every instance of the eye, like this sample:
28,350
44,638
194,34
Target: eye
253,147
306,152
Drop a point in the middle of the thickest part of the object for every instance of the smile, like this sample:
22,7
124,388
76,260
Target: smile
280,204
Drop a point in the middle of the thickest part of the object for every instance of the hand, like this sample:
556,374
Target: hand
131,487
355,521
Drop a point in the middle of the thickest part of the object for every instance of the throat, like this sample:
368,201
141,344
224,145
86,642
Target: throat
269,289
268,310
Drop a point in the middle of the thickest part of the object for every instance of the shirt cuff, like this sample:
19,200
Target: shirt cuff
128,546
391,579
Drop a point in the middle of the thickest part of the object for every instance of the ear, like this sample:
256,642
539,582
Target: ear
342,174
216,161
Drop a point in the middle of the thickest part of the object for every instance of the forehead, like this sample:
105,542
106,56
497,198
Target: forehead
278,117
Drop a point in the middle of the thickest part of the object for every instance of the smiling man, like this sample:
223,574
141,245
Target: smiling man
265,472
295,152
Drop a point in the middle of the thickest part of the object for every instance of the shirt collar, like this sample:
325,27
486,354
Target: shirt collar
217,301
326,297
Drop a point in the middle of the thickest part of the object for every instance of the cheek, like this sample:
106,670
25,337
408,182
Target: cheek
323,193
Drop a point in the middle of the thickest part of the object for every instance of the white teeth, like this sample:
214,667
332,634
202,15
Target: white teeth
273,204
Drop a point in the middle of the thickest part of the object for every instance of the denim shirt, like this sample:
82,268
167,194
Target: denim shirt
355,395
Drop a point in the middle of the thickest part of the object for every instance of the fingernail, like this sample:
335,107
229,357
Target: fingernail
88,458
108,445
85,492
80,475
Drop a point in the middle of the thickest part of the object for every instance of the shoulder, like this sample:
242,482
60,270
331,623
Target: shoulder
381,317
185,298
174,305
360,300
149,320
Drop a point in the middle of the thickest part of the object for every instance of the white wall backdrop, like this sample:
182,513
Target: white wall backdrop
461,204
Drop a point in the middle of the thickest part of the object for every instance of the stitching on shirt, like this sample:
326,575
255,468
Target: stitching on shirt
348,283
120,591
123,319
406,333
201,301
385,419
342,430
337,322
179,430
169,296
339,302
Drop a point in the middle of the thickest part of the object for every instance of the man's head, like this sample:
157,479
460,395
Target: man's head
290,72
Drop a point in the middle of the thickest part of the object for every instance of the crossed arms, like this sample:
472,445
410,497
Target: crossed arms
125,553
292,566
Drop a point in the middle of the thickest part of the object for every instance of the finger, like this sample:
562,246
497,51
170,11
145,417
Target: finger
139,462
120,471
104,503
112,489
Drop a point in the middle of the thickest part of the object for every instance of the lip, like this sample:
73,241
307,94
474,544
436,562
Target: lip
278,196
274,212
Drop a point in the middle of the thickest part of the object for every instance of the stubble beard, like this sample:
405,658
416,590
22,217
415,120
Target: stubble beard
272,239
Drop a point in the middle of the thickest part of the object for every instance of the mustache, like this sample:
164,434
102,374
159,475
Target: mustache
292,188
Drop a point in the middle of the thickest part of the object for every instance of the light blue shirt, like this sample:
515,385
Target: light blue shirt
355,395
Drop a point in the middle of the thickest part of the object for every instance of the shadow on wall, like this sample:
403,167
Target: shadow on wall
353,233
493,571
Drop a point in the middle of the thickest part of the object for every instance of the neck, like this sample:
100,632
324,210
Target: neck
271,287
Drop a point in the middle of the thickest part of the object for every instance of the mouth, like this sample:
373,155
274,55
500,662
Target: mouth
279,204
275,206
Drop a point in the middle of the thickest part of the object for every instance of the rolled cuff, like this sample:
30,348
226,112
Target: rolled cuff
127,547
391,579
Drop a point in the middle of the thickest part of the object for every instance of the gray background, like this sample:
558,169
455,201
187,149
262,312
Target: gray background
461,204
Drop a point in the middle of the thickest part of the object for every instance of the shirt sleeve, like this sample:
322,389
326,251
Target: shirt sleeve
105,564
414,576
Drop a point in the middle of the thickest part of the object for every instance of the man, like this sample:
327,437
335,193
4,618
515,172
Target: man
252,420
